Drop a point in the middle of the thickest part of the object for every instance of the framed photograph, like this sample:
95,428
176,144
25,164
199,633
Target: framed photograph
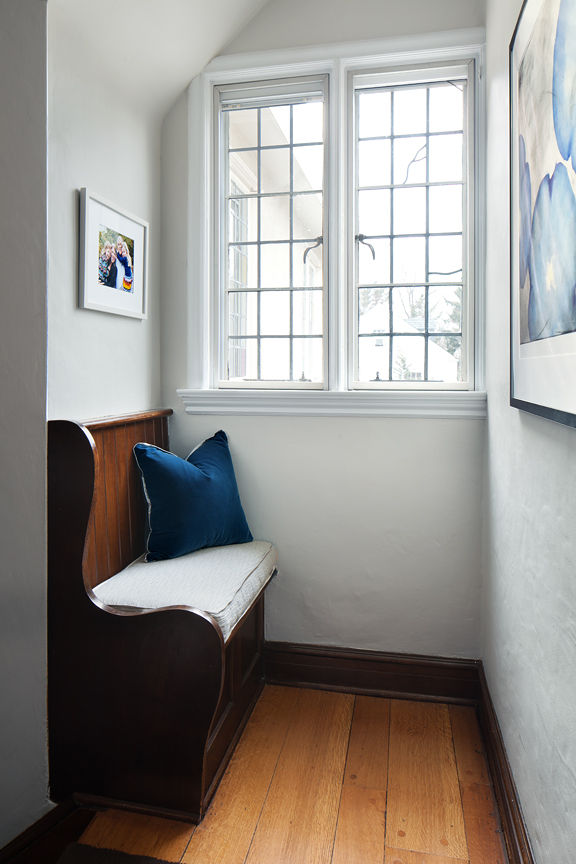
113,258
543,210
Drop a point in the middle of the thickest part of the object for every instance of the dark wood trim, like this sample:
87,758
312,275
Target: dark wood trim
104,802
127,419
47,838
376,673
513,825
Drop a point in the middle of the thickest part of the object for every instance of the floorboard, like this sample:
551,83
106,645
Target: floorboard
367,762
424,812
298,820
361,826
402,856
138,834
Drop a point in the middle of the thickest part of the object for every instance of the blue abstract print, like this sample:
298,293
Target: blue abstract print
546,168
552,303
564,81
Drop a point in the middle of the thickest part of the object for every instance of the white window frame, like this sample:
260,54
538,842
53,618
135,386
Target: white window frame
203,393
268,91
418,74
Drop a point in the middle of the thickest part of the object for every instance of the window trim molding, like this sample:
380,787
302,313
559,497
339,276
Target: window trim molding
202,394
438,404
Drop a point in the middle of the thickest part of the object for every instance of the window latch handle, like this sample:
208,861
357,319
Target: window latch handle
361,238
317,242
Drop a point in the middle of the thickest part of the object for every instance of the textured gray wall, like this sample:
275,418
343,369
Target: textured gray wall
23,776
529,542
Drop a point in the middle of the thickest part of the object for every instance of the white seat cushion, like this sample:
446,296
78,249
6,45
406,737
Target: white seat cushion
222,580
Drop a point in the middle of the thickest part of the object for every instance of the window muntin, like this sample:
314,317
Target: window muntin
411,310
272,169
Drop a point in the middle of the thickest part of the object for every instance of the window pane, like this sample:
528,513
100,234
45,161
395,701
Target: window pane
408,358
308,123
445,259
275,125
243,128
409,211
275,265
275,218
444,358
275,170
409,309
243,219
445,209
307,216
445,158
307,360
307,313
375,269
409,111
373,114
446,107
374,163
243,314
373,358
274,313
373,310
445,309
243,359
307,274
308,168
243,172
409,263
275,359
242,267
374,212
410,160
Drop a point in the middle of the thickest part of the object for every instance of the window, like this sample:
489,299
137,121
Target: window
412,324
338,234
271,208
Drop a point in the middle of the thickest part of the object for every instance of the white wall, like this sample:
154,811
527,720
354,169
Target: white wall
23,777
529,546
377,521
97,363
283,24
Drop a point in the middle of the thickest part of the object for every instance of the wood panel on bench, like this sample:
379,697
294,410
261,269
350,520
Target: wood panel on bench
144,709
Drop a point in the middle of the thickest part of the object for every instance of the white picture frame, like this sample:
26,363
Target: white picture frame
113,258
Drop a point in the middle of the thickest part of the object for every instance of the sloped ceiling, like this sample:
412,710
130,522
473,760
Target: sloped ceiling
145,51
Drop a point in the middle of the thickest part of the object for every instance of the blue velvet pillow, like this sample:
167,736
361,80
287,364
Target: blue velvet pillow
192,503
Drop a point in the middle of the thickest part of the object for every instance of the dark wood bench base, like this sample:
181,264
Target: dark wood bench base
144,709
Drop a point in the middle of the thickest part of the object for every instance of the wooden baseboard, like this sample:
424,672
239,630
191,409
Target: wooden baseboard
513,825
46,839
375,673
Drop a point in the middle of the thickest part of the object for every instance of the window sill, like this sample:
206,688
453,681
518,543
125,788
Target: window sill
325,403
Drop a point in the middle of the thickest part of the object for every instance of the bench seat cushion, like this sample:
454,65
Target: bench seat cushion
222,580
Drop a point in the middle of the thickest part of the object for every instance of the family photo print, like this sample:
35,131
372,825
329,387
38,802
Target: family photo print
113,258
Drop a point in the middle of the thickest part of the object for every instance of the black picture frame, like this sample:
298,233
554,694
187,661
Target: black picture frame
542,338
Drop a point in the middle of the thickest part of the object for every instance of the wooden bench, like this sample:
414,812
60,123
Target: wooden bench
145,706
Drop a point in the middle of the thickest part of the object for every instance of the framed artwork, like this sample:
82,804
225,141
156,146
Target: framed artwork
113,258
543,210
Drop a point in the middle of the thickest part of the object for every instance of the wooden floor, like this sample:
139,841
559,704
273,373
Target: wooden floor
330,778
